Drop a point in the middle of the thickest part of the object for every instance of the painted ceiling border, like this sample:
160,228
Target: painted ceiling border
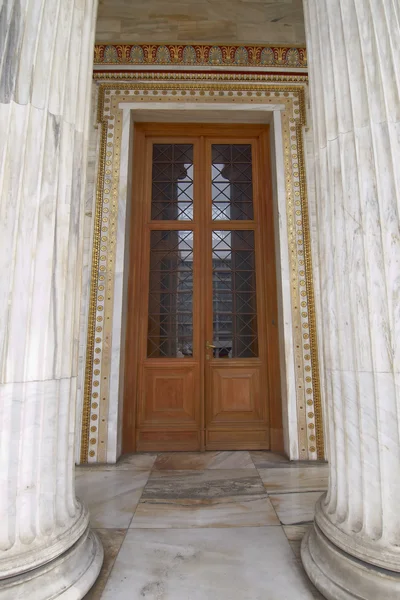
201,55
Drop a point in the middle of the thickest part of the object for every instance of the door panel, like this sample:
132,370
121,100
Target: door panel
240,439
199,370
168,395
236,394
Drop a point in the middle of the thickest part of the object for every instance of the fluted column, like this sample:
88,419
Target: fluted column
46,48
353,551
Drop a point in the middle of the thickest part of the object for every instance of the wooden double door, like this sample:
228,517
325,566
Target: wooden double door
201,369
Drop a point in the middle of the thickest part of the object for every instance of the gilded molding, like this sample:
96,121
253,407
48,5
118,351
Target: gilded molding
318,438
91,331
224,88
201,55
210,76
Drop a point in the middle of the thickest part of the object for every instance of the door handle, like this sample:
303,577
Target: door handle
209,346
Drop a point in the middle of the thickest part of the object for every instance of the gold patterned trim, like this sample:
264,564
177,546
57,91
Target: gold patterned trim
92,298
192,87
211,77
293,120
201,55
319,426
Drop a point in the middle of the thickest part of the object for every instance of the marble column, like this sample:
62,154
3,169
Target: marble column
353,549
46,50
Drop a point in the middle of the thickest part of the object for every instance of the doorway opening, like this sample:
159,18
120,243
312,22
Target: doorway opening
202,351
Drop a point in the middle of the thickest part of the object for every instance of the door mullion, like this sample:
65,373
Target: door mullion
200,194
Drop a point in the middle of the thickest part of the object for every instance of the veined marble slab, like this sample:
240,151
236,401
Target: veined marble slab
128,462
138,462
204,564
295,533
246,511
111,496
301,479
265,460
295,509
209,484
204,460
211,498
111,540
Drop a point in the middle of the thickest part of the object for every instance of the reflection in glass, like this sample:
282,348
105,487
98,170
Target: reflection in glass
232,187
234,295
172,182
170,321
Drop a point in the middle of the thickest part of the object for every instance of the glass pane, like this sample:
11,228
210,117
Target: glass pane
234,295
232,187
170,325
172,182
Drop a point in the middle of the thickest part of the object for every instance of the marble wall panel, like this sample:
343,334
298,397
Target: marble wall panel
195,21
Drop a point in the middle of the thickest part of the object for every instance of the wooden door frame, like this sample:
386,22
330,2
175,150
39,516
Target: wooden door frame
136,265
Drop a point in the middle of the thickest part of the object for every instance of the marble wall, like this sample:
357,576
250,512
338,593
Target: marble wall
196,21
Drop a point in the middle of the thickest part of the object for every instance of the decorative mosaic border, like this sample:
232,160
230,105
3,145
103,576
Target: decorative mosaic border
200,55
98,358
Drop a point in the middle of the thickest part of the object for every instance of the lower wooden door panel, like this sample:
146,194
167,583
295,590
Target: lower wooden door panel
168,415
236,409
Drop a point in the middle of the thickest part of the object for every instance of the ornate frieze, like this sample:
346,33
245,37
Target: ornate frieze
200,55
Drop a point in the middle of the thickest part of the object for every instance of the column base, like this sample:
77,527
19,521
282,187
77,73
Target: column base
339,576
68,577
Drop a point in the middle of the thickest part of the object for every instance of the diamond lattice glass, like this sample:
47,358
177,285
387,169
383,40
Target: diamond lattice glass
172,182
234,295
232,186
170,317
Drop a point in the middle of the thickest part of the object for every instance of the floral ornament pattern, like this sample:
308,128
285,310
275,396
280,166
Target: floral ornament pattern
200,55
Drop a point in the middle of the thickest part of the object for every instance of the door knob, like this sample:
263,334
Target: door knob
209,346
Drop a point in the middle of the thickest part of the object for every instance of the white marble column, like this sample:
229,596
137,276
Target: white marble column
46,53
353,550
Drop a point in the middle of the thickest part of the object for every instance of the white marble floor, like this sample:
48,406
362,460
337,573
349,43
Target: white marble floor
210,526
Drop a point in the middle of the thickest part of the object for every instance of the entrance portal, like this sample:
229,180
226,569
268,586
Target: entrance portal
202,368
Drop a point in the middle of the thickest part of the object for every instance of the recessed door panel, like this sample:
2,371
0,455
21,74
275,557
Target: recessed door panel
235,395
168,395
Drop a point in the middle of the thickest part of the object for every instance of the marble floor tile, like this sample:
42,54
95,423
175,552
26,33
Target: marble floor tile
111,540
295,533
182,499
207,484
190,461
302,479
184,514
111,496
264,459
296,548
205,564
138,462
295,509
